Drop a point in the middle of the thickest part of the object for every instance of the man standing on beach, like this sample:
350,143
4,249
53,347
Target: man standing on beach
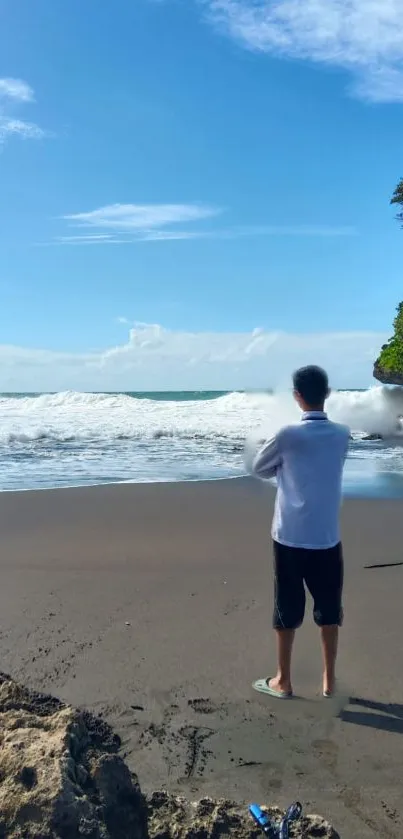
307,459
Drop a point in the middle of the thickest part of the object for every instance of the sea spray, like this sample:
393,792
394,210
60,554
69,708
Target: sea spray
69,438
374,411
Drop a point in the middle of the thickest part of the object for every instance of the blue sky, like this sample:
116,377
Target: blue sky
209,167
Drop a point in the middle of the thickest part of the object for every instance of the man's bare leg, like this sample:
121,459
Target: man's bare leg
330,636
285,640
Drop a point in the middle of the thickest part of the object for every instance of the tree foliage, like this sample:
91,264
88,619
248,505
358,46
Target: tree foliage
391,357
397,198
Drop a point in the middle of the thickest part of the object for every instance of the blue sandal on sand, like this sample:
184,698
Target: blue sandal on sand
263,686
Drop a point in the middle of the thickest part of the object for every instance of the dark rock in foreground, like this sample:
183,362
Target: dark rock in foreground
61,777
60,774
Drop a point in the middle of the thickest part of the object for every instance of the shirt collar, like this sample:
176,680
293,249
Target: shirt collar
313,415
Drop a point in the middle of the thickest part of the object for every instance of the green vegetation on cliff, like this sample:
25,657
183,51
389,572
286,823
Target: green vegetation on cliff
388,367
391,357
397,198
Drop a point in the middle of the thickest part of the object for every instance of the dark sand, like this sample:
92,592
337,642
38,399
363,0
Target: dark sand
152,605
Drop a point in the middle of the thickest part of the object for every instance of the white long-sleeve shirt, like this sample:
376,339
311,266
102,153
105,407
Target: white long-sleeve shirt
307,460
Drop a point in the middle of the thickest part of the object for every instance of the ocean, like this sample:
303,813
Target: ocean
76,439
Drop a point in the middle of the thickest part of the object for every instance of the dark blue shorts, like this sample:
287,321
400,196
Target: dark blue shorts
321,571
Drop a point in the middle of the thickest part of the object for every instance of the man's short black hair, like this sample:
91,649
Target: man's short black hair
312,384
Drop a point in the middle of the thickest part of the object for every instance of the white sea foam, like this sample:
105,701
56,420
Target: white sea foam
86,416
52,440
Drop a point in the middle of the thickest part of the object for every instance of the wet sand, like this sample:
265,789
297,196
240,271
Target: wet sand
152,605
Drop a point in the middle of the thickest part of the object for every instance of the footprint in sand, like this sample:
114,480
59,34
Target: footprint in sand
202,706
327,751
237,605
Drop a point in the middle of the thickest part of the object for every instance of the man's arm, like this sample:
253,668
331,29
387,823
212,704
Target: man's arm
267,460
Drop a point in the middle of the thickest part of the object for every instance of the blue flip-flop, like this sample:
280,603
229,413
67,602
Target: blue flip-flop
263,686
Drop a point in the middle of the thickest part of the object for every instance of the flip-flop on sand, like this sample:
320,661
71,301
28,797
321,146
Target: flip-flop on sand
263,686
329,694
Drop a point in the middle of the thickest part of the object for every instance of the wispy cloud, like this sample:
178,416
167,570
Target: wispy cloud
26,130
14,92
176,235
96,239
143,217
133,223
364,37
16,89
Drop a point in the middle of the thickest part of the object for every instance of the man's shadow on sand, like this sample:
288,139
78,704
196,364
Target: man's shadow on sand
388,716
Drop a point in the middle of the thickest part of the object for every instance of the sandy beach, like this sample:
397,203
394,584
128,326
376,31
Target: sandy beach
151,604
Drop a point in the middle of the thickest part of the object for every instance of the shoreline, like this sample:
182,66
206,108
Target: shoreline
128,483
151,605
355,491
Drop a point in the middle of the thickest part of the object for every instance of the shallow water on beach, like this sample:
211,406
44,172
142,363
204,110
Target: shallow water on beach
70,439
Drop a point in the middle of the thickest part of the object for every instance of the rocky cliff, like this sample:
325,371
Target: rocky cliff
388,368
61,777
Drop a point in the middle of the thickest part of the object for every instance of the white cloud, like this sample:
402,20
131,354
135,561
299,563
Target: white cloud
251,230
143,217
95,239
154,358
132,223
364,37
16,89
379,84
25,130
175,235
15,92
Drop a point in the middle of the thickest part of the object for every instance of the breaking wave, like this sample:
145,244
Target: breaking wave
72,417
81,438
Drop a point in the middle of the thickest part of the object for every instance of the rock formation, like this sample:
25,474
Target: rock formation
172,817
61,777
60,774
388,368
